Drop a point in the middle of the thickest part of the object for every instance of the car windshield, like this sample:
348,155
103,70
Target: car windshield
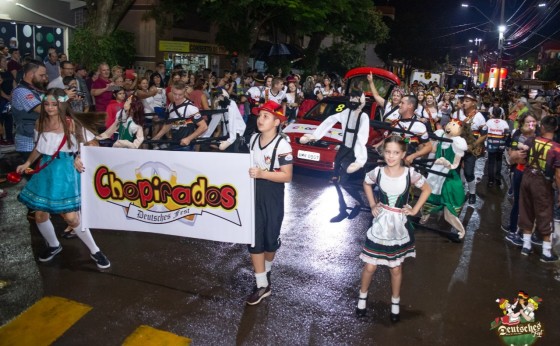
325,109
382,85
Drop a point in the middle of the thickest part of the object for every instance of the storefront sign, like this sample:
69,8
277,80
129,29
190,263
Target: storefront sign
190,47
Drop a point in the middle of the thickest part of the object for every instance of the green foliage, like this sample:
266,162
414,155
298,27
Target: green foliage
550,72
340,58
90,50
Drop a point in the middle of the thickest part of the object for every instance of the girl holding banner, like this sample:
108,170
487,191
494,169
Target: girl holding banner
55,184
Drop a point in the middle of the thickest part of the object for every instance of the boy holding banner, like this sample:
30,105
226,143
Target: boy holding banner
271,168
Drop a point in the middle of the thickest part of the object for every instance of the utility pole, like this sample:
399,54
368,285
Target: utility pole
501,30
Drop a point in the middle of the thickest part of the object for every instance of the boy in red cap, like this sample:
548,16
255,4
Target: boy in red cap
271,168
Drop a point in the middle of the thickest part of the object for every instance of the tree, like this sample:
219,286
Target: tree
550,72
104,16
100,41
352,21
240,22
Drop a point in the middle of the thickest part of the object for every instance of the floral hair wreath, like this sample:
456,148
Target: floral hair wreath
59,98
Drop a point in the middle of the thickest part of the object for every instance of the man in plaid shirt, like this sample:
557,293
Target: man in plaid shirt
26,105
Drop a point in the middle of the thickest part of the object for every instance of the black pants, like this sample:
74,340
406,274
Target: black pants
495,165
469,161
8,122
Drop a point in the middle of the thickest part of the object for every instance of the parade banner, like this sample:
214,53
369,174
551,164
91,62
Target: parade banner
188,194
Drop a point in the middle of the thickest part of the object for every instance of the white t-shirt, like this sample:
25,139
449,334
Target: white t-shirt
394,186
262,156
478,122
278,98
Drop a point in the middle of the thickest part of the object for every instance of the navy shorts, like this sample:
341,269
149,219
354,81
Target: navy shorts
269,213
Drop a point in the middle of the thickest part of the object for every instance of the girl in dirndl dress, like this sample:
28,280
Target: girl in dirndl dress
55,186
390,238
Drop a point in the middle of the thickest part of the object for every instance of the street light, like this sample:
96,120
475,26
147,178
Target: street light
479,11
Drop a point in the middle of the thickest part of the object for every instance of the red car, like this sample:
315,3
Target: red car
320,155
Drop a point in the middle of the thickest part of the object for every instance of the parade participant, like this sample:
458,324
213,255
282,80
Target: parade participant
233,124
391,108
497,134
446,108
496,111
430,114
326,89
187,124
116,104
517,157
473,123
55,186
352,154
390,239
276,92
436,92
26,105
421,101
414,131
51,63
447,191
272,160
458,114
128,125
536,198
257,96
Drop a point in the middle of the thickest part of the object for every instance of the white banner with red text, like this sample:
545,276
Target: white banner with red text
188,194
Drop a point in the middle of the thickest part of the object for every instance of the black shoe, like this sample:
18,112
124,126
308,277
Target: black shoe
472,198
49,253
355,212
343,215
536,240
514,239
526,252
101,260
505,228
549,259
395,317
71,234
259,293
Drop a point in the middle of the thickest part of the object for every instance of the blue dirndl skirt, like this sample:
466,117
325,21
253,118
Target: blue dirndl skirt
56,188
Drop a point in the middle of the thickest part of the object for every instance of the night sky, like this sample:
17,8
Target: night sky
439,30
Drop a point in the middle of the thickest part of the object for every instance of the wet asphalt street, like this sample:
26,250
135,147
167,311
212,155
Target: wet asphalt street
196,288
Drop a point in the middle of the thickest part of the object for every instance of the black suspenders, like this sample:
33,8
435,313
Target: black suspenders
273,157
354,130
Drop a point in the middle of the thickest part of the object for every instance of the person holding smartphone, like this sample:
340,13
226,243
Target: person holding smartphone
101,88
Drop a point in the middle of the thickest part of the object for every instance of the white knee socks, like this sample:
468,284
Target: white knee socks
261,279
86,238
472,187
546,248
527,241
47,231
